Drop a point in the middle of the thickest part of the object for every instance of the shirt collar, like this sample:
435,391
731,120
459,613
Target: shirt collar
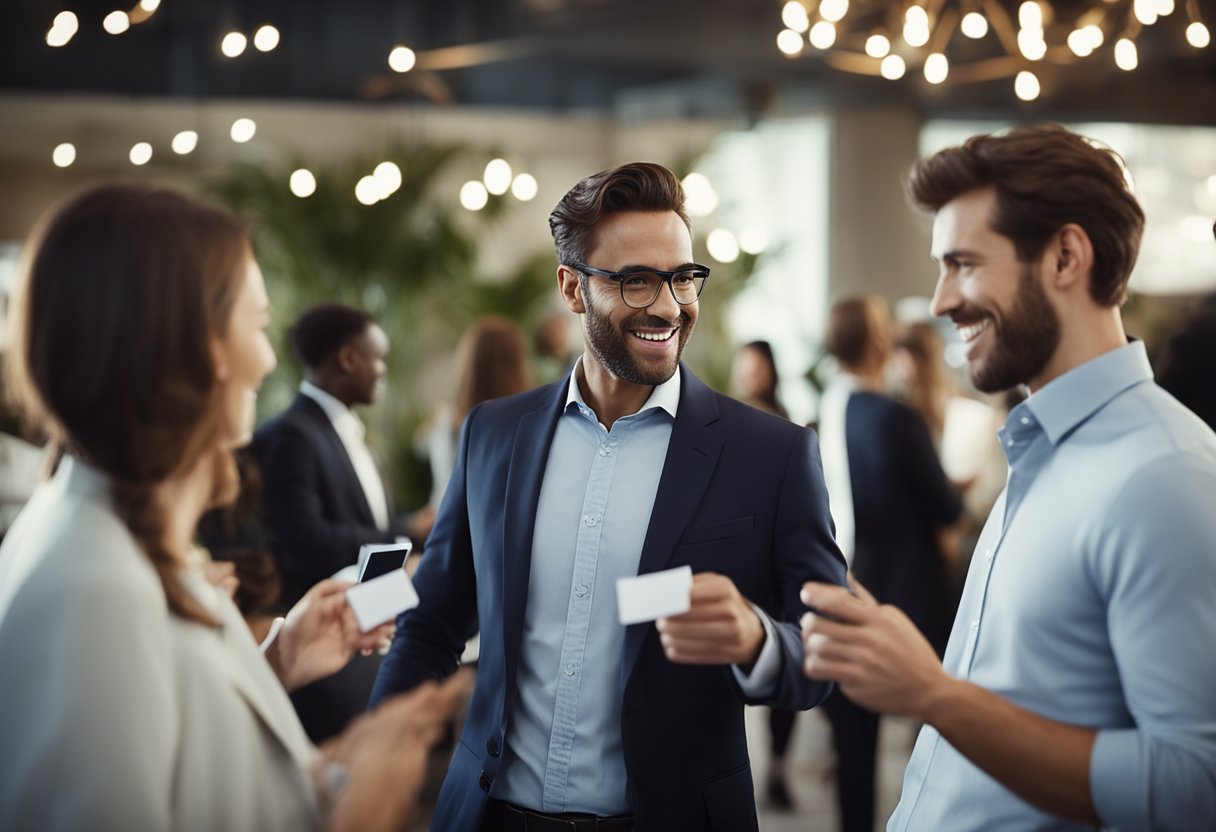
1066,401
340,416
665,396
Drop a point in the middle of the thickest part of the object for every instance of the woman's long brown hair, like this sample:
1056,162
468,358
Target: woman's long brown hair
120,292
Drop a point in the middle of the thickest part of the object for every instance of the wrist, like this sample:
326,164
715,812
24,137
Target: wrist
754,644
940,698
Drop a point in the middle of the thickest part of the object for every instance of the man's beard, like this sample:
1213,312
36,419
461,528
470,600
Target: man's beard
608,343
1023,340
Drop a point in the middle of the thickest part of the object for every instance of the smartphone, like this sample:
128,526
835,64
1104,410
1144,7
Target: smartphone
376,559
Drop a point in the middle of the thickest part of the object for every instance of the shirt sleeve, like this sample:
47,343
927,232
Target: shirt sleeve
1156,565
762,681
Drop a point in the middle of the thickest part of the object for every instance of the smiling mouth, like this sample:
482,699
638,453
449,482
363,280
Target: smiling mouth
655,336
970,332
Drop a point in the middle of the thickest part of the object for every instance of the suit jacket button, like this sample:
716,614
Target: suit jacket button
485,782
492,746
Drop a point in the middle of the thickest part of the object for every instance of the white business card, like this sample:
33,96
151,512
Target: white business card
381,599
654,595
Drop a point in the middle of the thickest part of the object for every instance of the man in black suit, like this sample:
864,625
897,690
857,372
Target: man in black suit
900,499
321,495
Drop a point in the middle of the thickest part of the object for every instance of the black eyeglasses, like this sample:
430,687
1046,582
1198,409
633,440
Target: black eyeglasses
640,287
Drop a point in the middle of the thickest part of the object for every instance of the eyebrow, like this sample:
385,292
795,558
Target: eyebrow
956,254
636,267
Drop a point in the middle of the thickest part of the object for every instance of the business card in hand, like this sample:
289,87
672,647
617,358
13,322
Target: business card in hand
654,595
381,599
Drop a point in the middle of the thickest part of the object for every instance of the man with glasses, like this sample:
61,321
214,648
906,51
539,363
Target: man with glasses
628,466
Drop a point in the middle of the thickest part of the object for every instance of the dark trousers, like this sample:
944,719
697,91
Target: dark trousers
781,728
855,737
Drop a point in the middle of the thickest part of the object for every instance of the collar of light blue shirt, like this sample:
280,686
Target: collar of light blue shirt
340,416
1065,402
665,396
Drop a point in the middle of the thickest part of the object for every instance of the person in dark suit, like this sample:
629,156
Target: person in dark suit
627,466
901,502
321,494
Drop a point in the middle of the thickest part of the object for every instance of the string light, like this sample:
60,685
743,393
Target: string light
149,6
823,35
266,38
974,25
367,191
1197,35
1026,86
700,198
233,44
878,46
893,67
753,240
937,67
243,129
388,178
1125,55
64,154
63,27
116,22
473,195
524,188
497,176
722,245
302,183
141,153
402,59
833,11
184,142
789,42
794,16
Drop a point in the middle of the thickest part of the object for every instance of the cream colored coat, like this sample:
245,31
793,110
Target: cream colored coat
116,715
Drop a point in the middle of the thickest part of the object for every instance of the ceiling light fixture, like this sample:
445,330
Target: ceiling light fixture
948,40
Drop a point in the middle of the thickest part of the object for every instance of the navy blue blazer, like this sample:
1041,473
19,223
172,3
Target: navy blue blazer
741,494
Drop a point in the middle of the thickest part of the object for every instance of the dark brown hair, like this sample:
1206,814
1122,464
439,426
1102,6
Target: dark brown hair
637,186
121,290
322,330
491,362
1045,177
853,324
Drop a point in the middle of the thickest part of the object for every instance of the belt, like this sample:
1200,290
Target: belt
503,817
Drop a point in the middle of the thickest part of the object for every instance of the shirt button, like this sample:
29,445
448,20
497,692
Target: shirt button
492,747
1025,420
975,625
1010,443
605,451
580,590
485,782
591,520
569,669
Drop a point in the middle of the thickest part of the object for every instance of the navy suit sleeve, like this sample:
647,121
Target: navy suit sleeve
804,549
431,637
311,545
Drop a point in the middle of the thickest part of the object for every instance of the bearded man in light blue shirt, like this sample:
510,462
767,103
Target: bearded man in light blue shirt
1079,686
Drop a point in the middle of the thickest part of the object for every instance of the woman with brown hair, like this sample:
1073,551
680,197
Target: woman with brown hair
491,363
135,697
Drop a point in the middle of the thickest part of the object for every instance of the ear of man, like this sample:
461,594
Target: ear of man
1071,256
569,284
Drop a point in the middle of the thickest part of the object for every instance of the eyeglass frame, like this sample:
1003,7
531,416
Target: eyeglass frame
666,277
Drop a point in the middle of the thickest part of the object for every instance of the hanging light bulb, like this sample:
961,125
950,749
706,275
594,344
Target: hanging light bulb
233,44
833,10
1026,86
1125,55
266,38
116,22
893,67
916,26
63,155
402,59
794,16
937,67
974,25
789,42
878,46
823,35
1197,35
524,187
303,183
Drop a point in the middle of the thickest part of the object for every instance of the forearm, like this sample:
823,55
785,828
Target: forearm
1044,762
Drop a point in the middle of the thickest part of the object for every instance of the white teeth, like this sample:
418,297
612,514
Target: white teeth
654,336
971,331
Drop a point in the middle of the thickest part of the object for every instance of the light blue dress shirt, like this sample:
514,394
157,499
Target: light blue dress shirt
1091,600
563,742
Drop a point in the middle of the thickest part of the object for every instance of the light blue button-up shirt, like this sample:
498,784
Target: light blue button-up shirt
1091,600
563,744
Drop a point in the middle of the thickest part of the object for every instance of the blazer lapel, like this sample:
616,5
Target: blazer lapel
533,436
339,458
692,456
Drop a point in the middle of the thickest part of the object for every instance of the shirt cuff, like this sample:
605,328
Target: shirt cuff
1117,780
275,627
762,681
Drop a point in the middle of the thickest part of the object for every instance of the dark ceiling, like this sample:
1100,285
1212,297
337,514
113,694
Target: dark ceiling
672,57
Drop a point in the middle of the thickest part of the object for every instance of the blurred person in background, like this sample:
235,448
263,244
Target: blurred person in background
901,501
322,495
491,363
135,697
1077,687
754,381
